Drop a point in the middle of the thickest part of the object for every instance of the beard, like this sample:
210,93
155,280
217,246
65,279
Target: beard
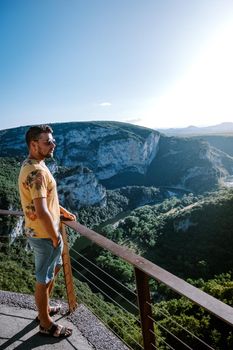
49,155
44,155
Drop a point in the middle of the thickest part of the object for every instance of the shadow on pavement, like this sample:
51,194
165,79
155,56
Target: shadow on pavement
36,340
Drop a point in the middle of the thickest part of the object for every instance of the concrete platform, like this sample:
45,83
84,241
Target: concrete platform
19,330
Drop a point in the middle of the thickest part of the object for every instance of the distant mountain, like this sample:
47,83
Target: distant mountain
223,128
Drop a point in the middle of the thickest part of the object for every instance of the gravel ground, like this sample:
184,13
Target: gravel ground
87,323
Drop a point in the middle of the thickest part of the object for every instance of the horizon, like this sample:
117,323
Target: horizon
153,64
109,121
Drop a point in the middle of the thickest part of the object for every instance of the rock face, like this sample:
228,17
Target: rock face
105,148
80,189
106,151
18,228
190,164
183,225
99,155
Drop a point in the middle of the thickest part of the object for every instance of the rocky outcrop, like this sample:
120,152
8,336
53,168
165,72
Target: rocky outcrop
107,151
79,189
18,229
189,164
183,225
129,154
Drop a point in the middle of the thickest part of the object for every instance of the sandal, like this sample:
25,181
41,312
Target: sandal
54,310
56,331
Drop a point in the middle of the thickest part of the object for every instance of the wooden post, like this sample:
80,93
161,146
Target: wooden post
68,273
143,294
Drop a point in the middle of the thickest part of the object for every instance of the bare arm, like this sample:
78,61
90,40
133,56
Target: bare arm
46,219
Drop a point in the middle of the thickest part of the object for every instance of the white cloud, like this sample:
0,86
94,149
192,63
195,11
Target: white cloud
133,121
105,104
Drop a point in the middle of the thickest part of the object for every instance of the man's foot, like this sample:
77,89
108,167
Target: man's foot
56,331
53,310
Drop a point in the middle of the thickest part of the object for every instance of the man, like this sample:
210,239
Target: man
42,212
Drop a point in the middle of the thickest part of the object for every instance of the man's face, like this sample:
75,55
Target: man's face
45,145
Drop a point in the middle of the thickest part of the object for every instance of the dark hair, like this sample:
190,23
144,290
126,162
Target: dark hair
34,132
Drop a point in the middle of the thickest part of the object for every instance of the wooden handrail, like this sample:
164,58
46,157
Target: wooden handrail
11,212
211,304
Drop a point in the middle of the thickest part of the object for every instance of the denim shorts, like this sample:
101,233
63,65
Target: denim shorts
46,258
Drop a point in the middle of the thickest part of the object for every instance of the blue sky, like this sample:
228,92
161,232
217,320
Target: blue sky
164,63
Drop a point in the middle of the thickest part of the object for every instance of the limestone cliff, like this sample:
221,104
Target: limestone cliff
80,188
119,154
106,150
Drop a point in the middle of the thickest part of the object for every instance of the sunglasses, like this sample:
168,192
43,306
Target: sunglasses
48,142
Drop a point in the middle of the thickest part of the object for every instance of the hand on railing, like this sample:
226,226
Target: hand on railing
67,218
66,215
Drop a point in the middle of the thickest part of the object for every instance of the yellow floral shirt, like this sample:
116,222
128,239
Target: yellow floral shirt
36,181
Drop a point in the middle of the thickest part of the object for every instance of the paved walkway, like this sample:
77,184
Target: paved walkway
19,330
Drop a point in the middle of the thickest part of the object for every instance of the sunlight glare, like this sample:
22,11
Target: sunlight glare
204,95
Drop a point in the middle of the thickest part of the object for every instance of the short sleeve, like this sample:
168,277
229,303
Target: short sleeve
37,183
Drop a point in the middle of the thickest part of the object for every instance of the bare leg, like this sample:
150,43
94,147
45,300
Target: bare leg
51,283
46,293
42,303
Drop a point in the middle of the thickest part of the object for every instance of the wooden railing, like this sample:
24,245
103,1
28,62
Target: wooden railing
144,269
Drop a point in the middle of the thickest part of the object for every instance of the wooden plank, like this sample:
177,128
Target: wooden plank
144,303
71,297
13,212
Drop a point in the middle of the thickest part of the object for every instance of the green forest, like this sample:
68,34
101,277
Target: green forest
189,235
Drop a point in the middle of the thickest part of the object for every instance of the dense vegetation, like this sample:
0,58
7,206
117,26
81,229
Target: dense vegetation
9,170
9,195
118,201
190,237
